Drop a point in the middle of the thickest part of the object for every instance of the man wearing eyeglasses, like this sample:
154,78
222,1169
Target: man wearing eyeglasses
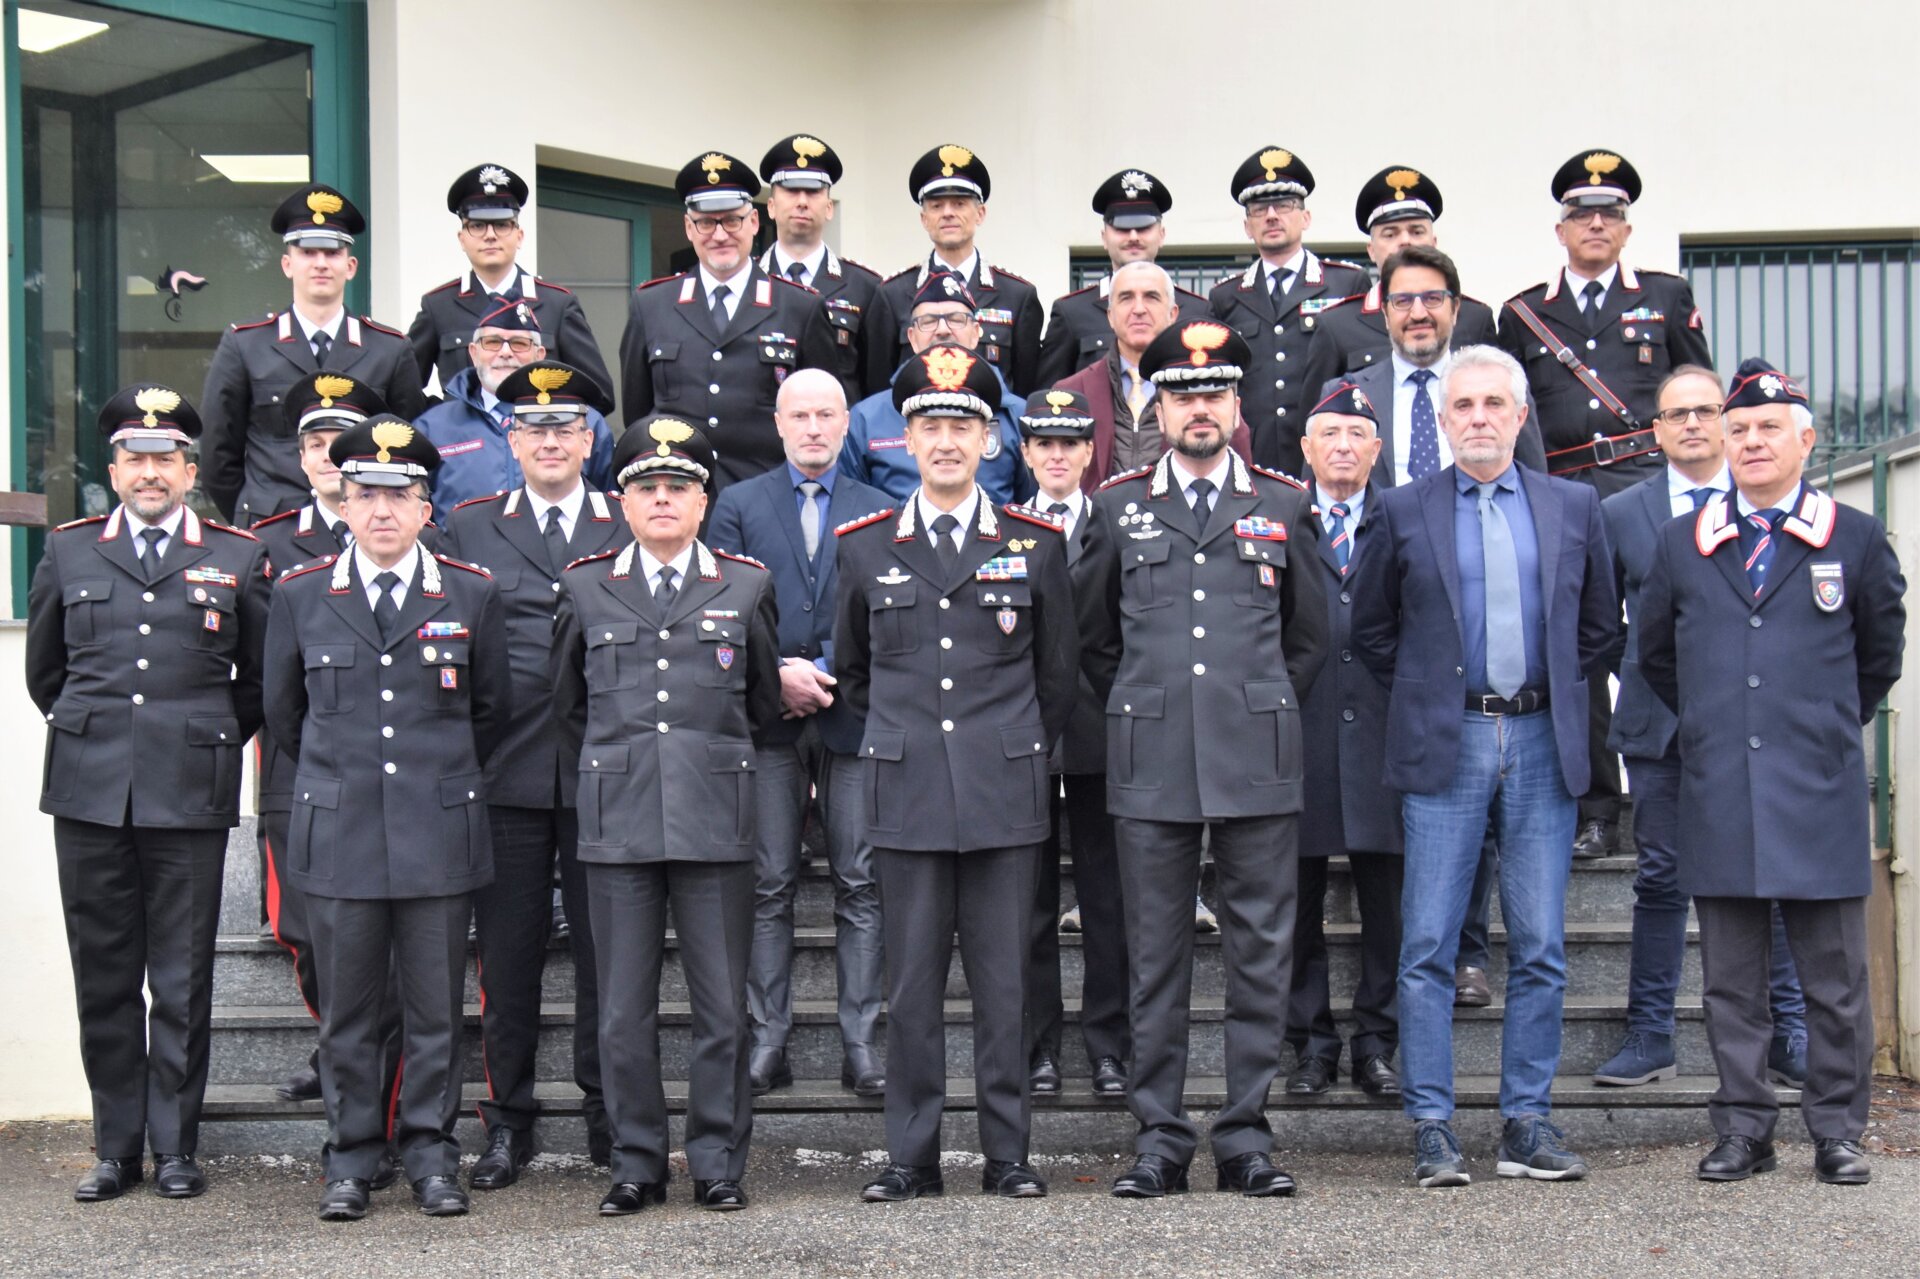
526,537
875,452
1275,304
712,345
471,428
1596,339
488,200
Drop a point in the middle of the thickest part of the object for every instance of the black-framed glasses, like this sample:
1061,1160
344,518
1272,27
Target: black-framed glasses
731,223
1285,204
1432,299
479,227
933,323
519,343
1707,413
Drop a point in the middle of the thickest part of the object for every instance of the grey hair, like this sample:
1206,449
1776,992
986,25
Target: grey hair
1143,265
1802,416
1486,357
809,379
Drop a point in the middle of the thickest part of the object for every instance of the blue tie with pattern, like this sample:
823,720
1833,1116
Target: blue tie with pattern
1423,445
1757,543
1337,530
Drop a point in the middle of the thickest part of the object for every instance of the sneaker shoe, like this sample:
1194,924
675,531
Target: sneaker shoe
1437,1160
1646,1057
1070,922
1203,919
1533,1147
1787,1060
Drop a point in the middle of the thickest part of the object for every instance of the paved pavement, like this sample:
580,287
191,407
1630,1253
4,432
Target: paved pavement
1641,1213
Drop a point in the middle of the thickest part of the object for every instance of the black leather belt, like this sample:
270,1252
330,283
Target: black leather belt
1524,702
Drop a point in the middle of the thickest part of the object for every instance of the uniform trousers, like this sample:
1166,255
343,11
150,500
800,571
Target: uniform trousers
417,947
712,905
987,897
1829,942
512,917
142,908
1377,879
1254,867
1103,929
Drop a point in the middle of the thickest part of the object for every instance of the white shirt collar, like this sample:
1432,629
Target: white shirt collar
1679,485
1404,368
1219,473
332,326
1076,504
328,519
171,524
964,513
650,567
814,262
569,506
1577,283
407,569
965,270
1789,504
1296,264
1325,502
737,283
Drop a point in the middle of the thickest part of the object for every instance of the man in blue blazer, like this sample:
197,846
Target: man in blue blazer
1772,624
1487,602
785,519
1687,425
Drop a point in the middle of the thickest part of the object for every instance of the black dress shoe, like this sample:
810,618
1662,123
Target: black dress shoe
178,1177
1109,1077
108,1179
387,1171
1011,1181
1254,1176
901,1182
1736,1158
1313,1075
629,1197
1043,1080
724,1195
768,1069
1151,1177
302,1085
861,1071
1840,1163
440,1196
560,929
507,1153
345,1200
1594,840
1376,1076
599,1140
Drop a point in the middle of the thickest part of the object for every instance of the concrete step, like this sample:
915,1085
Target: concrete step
263,1043
249,970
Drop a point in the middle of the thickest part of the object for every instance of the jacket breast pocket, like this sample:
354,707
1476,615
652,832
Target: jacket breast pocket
730,785
88,622
213,743
723,647
328,689
845,319
1091,349
313,830
215,622
613,661
777,359
1009,606
890,618
444,666
603,775
1134,712
887,797
1263,562
466,793
451,342
1276,714
268,416
1145,575
661,357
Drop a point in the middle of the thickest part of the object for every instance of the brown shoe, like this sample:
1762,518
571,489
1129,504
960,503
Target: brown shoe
1470,989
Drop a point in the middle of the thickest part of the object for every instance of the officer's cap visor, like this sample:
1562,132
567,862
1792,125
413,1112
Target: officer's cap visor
383,475
318,238
548,414
800,180
151,441
490,209
717,201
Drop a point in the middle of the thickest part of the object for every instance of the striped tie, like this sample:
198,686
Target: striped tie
1342,543
1762,553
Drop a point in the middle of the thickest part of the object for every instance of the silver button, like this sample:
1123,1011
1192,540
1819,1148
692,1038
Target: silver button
142,663
594,764
391,767
1037,746
556,586
386,659
139,699
1280,384
946,726
662,726
145,629
716,356
1753,622
1753,743
1593,404
662,663
1279,355
1592,345
1199,557
708,624
606,635
713,388
946,685
888,600
1199,668
946,642
1279,328
1199,632
1127,708
386,694
306,794
713,421
147,596
661,696
469,794
663,635
1753,681
1199,595
326,659
1279,412
945,603
386,730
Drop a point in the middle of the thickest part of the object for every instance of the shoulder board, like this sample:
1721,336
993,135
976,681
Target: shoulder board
1000,270
847,261
255,324
862,522
1468,297
378,327
301,570
744,559
1134,474
600,555
471,568
1231,277
794,284
907,271
1277,475
659,279
484,497
1351,266
549,284
1032,516
1647,270
82,521
441,288
1351,297
274,519
1077,292
1526,294
237,532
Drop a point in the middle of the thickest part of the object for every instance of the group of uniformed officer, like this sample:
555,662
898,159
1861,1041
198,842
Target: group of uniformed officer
574,689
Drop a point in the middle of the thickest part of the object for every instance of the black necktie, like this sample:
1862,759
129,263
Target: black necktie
322,343
720,293
1065,513
664,592
797,272
1202,491
556,539
1278,283
386,609
1592,293
150,552
943,526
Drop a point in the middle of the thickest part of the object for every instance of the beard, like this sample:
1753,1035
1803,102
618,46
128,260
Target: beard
1203,449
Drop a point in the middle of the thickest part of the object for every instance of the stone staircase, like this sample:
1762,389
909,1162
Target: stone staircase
261,1031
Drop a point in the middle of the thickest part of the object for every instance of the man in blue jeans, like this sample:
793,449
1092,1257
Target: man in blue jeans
1490,601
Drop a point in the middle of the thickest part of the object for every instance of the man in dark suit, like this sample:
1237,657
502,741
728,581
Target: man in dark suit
1486,605
388,681
1058,425
488,199
955,639
1132,205
1396,209
1772,624
1202,624
1687,425
1348,812
251,459
800,172
526,538
665,666
785,519
712,345
1627,329
951,185
1275,304
144,636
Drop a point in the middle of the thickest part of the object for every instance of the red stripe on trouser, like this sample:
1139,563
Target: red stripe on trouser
493,1094
393,1099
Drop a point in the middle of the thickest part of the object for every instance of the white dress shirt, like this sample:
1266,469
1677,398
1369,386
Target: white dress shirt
1325,503
331,328
409,564
1220,475
1403,389
169,526
1076,509
650,567
1296,264
810,265
963,513
965,270
569,506
736,284
1576,283
1680,488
